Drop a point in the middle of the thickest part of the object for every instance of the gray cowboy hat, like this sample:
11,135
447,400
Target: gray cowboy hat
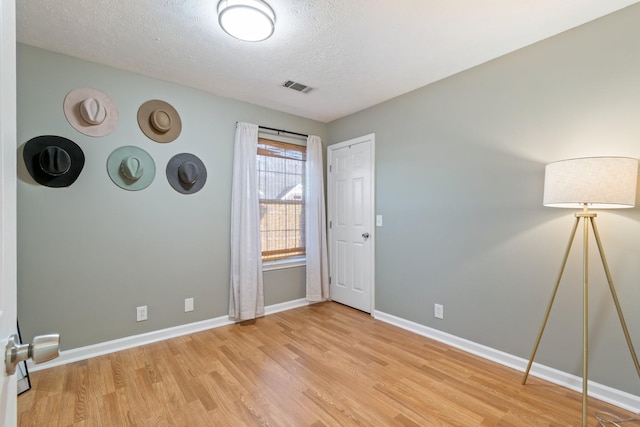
186,173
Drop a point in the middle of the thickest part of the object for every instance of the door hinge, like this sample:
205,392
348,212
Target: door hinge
330,168
330,224
329,279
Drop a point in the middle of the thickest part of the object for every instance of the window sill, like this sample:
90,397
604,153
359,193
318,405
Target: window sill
284,263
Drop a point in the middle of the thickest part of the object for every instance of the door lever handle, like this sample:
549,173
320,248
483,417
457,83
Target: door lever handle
43,348
365,235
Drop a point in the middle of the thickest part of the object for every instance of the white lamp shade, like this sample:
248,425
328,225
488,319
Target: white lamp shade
248,20
599,182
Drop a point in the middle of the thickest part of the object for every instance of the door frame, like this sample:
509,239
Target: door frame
8,221
372,151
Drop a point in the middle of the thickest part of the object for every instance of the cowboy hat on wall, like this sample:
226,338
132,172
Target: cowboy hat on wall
53,161
90,111
159,121
186,173
131,168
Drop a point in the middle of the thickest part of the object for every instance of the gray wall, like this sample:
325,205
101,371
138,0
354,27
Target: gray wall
460,170
90,253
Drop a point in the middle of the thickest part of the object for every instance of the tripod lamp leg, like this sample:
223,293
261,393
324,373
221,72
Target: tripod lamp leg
553,296
615,297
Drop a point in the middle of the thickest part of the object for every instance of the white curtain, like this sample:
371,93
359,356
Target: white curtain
315,224
246,299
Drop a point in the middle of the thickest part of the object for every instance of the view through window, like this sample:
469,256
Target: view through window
281,173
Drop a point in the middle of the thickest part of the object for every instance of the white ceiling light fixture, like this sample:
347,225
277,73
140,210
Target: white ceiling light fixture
248,20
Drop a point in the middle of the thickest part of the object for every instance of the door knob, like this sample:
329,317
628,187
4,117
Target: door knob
43,348
365,235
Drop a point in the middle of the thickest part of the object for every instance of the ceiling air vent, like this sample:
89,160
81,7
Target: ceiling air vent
297,86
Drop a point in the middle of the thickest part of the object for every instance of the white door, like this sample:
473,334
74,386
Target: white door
7,202
351,218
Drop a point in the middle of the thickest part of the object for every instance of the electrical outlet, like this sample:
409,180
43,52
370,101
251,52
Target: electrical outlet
438,311
141,313
188,304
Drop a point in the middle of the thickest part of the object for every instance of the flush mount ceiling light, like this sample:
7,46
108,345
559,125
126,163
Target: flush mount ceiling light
248,20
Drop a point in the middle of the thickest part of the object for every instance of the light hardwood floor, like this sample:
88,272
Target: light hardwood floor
321,365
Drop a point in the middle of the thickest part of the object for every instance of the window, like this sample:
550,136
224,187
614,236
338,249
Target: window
281,172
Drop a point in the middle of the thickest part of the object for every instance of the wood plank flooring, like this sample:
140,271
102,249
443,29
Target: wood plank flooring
321,365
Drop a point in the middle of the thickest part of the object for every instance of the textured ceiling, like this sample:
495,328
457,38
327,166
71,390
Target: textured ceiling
354,53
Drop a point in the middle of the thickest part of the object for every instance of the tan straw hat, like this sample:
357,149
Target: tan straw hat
90,111
159,121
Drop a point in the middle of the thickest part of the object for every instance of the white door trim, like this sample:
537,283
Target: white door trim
331,148
8,227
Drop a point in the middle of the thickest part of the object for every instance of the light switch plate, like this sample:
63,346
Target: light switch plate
438,311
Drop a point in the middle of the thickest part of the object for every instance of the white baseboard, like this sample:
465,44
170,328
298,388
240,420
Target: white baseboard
607,394
82,353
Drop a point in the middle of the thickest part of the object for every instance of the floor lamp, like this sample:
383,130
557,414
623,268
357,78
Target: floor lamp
594,182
